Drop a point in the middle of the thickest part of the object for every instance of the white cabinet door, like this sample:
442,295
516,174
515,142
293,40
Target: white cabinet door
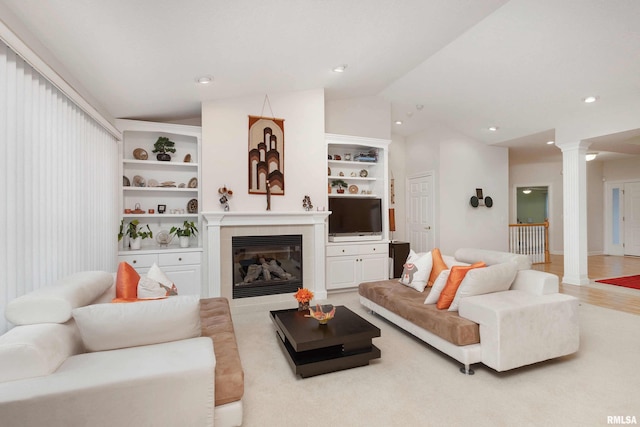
341,272
187,278
373,267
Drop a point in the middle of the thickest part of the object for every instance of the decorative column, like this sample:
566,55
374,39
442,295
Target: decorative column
574,183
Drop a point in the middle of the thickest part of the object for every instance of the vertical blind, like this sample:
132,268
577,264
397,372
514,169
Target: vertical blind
58,185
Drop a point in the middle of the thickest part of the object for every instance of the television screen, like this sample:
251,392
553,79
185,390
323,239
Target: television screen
350,215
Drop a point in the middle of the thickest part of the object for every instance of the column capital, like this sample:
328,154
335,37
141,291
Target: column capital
573,145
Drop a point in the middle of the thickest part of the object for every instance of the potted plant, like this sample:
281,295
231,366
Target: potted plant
137,234
187,230
340,184
163,146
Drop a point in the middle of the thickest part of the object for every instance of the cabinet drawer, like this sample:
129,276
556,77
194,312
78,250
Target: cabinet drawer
342,250
179,258
373,248
138,261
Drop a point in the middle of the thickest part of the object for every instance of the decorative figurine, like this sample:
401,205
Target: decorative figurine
268,195
306,203
224,199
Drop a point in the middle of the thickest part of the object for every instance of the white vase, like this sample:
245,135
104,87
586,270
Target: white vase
135,243
184,241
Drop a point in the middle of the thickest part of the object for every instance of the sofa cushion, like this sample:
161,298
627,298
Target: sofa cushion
489,257
111,326
217,324
479,281
438,286
416,270
453,282
408,304
37,350
438,265
53,304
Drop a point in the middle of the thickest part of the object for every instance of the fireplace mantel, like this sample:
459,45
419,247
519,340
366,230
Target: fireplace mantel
312,222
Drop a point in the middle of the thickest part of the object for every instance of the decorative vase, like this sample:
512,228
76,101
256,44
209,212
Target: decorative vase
184,241
163,157
302,306
135,243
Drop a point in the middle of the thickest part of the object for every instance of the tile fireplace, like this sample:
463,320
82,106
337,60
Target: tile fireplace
221,229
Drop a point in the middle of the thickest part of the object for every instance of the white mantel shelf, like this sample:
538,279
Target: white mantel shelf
216,221
265,218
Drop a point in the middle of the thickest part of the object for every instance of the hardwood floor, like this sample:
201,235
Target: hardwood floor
600,267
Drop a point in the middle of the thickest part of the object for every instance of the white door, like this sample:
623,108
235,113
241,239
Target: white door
632,218
420,227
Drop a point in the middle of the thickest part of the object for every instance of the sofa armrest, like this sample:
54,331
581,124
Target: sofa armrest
147,385
535,282
517,328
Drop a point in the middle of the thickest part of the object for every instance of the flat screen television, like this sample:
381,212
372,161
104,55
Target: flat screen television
351,216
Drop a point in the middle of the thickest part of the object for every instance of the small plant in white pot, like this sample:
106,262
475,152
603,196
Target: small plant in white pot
187,230
136,235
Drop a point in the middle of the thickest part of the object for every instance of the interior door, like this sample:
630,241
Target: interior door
420,227
632,218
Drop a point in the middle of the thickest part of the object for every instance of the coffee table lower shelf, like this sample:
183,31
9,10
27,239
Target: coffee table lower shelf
322,361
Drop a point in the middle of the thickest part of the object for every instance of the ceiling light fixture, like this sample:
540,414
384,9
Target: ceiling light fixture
550,142
590,99
527,191
340,68
204,80
591,156
419,107
493,128
398,122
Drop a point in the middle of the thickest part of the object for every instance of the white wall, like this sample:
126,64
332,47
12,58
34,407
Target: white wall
461,165
225,150
622,170
367,117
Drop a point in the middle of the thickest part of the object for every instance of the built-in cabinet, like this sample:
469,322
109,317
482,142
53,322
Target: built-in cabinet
162,194
362,163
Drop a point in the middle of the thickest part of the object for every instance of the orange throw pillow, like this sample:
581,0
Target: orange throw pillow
437,268
453,283
127,280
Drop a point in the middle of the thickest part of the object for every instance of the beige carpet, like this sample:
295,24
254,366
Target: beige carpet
415,385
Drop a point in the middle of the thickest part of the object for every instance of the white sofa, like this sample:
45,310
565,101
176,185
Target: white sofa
74,362
528,323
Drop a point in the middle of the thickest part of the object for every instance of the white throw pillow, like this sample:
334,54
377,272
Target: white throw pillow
158,275
150,289
120,325
437,287
53,304
416,271
479,281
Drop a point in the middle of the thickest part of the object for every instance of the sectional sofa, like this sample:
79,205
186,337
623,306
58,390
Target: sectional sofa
507,315
75,359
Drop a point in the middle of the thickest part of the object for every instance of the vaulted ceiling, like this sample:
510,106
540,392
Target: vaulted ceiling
521,65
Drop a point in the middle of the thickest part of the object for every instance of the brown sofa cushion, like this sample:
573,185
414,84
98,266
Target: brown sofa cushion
217,324
409,304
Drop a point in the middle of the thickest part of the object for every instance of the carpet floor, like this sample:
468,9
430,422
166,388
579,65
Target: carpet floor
413,384
632,282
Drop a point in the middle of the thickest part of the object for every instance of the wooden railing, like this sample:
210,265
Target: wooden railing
531,240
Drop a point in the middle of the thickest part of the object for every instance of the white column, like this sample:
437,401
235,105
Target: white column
574,179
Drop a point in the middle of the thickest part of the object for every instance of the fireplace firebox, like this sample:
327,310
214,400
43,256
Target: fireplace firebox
266,265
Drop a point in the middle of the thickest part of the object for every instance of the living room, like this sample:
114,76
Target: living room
462,155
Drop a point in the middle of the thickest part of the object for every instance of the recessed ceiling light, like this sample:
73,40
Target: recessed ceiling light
590,99
398,122
493,128
340,68
204,80
550,142
591,156
527,191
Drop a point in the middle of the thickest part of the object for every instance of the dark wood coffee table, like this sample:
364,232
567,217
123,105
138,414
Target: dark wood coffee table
313,349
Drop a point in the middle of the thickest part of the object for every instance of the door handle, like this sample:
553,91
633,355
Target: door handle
428,227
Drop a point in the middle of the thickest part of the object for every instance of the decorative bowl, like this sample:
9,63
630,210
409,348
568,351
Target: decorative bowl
322,313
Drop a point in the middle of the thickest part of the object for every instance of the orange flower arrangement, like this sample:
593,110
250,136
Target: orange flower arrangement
303,295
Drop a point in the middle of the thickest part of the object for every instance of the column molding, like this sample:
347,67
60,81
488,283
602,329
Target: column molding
574,182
